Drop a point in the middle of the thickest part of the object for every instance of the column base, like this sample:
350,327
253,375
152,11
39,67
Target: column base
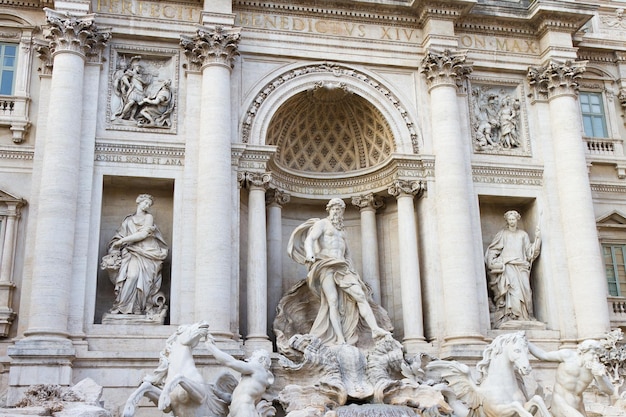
39,360
466,346
416,345
253,343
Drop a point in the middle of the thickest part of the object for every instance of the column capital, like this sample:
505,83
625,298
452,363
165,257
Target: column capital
74,33
556,78
252,180
368,202
445,68
403,188
276,197
212,46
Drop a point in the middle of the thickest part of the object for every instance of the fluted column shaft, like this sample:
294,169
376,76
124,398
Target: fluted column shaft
412,314
70,40
275,199
367,205
256,282
452,199
214,50
584,258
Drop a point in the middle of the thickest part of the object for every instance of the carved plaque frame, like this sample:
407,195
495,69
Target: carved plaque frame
484,92
160,64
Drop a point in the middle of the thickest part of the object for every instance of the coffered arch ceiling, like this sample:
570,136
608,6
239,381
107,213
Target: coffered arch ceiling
329,130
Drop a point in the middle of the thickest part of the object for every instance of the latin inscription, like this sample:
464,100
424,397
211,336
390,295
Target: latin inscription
150,9
491,43
134,159
327,27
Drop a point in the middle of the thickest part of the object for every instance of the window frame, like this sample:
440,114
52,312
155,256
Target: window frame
602,115
617,283
5,68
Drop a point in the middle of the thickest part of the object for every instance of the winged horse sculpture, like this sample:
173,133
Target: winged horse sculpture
177,386
498,391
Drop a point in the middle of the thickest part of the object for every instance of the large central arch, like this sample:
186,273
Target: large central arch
338,130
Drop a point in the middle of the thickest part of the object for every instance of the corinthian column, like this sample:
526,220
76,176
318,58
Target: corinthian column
213,50
72,39
453,193
275,200
256,283
582,251
367,205
412,315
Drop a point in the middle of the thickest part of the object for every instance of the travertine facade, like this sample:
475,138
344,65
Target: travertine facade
429,119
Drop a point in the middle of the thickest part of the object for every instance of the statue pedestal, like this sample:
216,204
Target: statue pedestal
522,325
109,318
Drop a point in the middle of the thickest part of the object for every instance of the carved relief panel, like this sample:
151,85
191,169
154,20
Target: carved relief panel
498,121
142,89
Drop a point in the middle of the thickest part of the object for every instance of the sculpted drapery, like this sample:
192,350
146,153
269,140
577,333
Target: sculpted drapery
343,275
134,262
509,259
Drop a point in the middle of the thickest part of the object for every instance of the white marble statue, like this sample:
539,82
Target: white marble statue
134,262
497,392
155,109
321,244
130,85
509,259
247,398
177,386
576,370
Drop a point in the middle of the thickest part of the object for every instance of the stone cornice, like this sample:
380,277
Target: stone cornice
495,26
377,12
507,175
75,33
442,10
140,154
608,188
399,166
15,153
555,16
217,45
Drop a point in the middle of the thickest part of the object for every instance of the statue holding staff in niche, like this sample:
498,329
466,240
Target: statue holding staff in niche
509,259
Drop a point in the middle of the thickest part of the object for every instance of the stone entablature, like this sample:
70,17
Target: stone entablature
507,175
139,154
373,180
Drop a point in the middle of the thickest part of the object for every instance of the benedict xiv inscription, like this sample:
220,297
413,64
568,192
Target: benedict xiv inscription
327,27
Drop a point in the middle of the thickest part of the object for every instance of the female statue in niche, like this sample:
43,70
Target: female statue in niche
134,262
509,259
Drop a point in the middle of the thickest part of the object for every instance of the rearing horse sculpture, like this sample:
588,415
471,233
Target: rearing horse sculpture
177,386
498,391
